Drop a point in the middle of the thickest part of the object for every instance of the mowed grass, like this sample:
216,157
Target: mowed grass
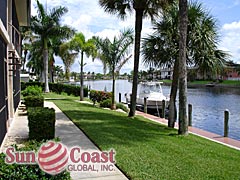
149,151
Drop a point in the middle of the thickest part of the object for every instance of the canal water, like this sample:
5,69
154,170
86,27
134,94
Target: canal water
209,104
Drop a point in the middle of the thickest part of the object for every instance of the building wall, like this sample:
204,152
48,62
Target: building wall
16,73
3,91
9,71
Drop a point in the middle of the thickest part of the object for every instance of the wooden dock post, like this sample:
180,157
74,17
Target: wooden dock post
145,105
163,108
120,98
130,100
189,114
226,118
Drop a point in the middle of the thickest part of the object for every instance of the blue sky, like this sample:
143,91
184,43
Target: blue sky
88,17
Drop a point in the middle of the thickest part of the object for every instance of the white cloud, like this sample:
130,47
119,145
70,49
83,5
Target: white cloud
232,26
89,18
231,40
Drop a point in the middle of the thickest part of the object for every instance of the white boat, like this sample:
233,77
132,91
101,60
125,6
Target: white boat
153,92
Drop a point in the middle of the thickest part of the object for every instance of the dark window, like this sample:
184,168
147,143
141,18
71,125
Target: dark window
3,12
3,89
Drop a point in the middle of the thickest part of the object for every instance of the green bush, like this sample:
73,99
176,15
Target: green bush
24,85
57,88
27,172
32,91
41,123
34,101
99,95
106,103
122,106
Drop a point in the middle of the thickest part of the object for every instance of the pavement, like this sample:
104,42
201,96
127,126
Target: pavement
71,136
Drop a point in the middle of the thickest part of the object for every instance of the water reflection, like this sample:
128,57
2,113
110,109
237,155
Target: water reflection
208,104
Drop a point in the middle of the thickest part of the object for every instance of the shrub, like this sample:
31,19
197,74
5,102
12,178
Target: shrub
27,172
99,95
106,103
24,85
58,88
34,101
122,106
32,91
41,122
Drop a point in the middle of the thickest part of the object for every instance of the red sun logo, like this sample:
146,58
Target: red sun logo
53,157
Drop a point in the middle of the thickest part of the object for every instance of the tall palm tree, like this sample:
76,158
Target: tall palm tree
47,25
115,54
142,9
162,48
183,24
83,46
27,38
68,57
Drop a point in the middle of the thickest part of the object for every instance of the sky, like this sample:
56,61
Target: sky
88,17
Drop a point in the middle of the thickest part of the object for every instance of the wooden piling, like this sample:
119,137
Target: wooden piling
226,119
163,108
145,105
120,98
130,100
190,114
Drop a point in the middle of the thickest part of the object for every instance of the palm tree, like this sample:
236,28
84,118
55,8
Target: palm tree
115,54
83,46
47,25
68,57
183,24
57,71
28,38
162,48
35,58
142,9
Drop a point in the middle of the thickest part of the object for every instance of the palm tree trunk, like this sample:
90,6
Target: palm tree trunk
42,76
24,60
138,29
51,66
51,73
113,106
172,105
45,61
81,78
67,72
183,121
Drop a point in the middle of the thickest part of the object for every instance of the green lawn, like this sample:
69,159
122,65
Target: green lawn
232,82
147,150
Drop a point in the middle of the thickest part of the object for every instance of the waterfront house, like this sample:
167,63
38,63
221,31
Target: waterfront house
231,71
13,15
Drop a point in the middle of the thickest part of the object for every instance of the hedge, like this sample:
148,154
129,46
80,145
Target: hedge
99,96
57,88
32,91
41,123
34,101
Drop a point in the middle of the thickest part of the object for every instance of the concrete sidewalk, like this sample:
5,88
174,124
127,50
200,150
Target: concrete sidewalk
70,135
